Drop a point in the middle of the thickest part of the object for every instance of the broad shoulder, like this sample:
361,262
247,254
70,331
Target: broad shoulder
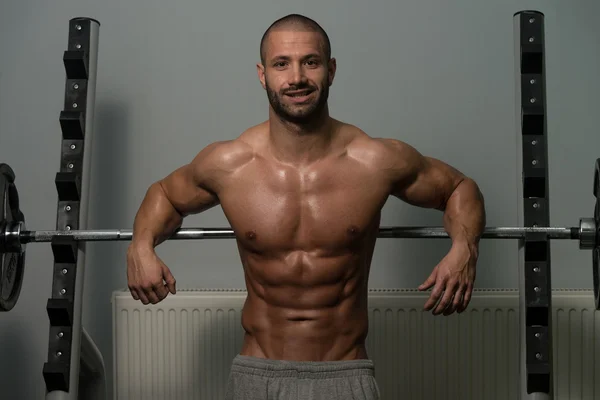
228,155
384,153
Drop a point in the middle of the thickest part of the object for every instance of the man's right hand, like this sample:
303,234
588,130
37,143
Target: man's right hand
148,278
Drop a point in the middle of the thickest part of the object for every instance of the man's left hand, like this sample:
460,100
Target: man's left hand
452,280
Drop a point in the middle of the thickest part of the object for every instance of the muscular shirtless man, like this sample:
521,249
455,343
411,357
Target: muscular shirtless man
303,193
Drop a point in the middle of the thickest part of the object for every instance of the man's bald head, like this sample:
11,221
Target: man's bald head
299,23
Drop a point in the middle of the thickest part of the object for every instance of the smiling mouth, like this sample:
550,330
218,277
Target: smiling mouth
299,94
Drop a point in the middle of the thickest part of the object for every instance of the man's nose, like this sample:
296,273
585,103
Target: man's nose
297,76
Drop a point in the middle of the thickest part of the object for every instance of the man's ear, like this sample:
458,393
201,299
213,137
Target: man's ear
260,69
332,68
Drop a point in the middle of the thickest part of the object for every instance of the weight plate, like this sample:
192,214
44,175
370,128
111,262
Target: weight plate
597,178
596,251
7,178
597,219
13,263
596,271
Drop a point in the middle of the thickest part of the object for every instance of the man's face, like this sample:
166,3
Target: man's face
296,75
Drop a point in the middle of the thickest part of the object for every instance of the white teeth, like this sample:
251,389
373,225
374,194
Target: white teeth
298,95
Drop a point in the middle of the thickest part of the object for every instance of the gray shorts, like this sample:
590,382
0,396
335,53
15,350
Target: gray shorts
254,378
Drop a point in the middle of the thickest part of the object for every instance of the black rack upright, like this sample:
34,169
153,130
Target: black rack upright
535,283
71,352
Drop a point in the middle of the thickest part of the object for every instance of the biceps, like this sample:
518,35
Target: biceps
187,193
430,185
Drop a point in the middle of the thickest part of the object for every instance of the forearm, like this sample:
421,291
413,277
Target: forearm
464,213
156,220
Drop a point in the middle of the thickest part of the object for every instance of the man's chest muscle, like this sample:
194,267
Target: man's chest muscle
316,210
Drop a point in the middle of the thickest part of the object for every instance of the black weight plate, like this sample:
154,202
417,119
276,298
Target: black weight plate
597,178
597,219
596,271
596,251
4,182
7,178
9,174
13,202
12,263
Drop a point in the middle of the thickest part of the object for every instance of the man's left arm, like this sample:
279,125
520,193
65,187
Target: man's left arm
430,183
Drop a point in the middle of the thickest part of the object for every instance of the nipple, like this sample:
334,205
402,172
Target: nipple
250,235
352,230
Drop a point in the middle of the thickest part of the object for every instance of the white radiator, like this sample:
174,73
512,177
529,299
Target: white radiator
182,347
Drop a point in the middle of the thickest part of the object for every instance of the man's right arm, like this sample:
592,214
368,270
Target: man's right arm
189,189
170,199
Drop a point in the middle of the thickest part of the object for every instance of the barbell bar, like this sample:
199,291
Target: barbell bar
16,235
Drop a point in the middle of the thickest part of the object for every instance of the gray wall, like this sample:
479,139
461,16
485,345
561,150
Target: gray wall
175,76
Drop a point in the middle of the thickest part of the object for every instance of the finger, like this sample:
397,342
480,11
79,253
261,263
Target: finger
149,292
436,293
462,306
170,280
467,296
142,296
430,281
133,293
447,298
450,308
456,301
160,290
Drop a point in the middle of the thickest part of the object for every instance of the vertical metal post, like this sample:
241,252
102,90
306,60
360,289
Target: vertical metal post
534,261
61,371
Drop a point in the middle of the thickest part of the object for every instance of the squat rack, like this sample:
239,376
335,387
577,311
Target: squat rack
71,351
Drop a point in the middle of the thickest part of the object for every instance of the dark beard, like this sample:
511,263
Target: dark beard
304,116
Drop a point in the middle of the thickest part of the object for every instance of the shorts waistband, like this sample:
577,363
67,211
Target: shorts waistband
302,369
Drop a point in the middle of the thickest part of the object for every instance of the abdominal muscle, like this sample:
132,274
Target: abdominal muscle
305,308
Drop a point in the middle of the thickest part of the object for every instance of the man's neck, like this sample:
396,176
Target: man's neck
300,144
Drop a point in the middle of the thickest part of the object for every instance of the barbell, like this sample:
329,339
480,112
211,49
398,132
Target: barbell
14,236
